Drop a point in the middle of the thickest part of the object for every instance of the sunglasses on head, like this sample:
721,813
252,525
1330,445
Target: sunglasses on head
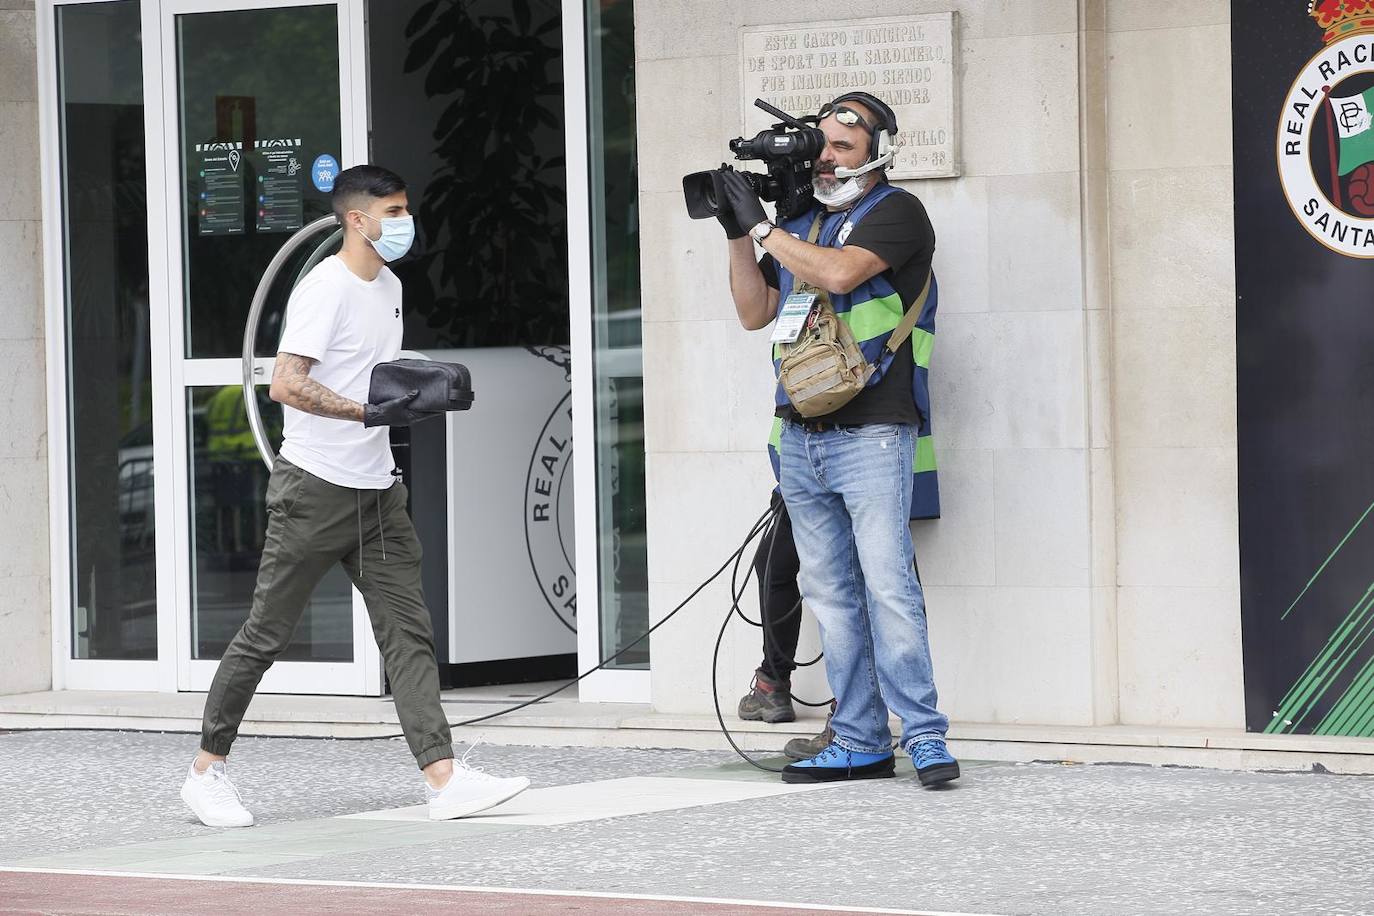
845,115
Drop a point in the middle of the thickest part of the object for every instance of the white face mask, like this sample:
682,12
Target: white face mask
844,193
398,232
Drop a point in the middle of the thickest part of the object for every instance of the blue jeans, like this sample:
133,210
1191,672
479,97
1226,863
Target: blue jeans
848,491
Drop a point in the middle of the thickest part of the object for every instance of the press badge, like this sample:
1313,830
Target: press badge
796,308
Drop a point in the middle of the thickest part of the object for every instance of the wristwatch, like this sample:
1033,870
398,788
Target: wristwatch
760,231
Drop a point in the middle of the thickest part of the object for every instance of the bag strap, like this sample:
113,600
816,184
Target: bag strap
800,285
811,236
908,322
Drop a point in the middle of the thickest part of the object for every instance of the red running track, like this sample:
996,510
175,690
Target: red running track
117,895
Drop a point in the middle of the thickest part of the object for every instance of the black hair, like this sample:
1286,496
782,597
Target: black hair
352,187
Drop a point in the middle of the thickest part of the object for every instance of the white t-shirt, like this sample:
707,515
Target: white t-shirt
347,325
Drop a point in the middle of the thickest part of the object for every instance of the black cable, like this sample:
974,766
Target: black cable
735,594
763,523
753,532
769,636
766,524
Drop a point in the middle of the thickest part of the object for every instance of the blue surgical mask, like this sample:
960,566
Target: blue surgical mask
398,232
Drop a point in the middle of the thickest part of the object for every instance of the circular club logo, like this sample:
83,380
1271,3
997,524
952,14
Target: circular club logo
549,514
1325,142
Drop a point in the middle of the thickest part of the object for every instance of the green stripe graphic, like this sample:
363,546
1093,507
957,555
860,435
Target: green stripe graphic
1352,712
1348,707
1350,699
1328,560
1348,637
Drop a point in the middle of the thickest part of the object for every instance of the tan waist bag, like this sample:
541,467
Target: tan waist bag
824,369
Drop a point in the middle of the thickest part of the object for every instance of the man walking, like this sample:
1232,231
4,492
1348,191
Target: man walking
333,497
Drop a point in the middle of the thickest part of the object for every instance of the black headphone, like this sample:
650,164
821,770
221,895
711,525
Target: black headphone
883,135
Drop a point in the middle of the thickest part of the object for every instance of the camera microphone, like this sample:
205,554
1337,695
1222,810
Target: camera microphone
881,162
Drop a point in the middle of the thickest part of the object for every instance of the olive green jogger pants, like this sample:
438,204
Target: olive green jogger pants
311,525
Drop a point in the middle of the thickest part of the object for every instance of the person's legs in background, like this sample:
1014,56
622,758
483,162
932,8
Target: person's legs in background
776,566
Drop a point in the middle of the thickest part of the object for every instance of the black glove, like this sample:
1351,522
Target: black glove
726,216
395,412
744,203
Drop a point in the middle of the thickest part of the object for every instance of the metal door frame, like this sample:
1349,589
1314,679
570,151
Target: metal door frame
627,686
172,373
363,675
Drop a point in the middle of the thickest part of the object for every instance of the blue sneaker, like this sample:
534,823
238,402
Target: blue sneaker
934,763
836,763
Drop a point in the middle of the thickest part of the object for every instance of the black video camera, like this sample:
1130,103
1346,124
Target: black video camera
788,148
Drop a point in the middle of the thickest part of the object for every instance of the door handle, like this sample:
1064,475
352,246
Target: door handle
250,329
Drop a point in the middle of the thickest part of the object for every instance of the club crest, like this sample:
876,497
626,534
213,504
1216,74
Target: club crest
1325,137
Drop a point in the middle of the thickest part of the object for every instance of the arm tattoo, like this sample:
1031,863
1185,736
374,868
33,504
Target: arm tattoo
304,393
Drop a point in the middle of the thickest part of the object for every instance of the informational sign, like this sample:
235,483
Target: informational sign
323,172
1302,77
281,200
221,181
908,62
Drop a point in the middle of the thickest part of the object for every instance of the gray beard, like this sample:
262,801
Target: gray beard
825,183
829,184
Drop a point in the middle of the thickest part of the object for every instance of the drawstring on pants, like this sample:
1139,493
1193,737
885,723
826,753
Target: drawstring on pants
381,530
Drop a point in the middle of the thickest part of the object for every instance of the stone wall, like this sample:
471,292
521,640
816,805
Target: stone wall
1083,379
25,615
1174,343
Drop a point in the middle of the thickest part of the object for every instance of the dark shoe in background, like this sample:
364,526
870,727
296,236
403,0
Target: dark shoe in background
806,748
768,701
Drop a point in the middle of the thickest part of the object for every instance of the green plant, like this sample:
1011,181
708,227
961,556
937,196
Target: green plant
494,217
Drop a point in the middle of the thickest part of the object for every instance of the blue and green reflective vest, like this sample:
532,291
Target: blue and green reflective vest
872,310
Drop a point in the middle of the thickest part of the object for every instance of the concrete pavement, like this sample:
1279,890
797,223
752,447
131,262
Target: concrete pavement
1007,838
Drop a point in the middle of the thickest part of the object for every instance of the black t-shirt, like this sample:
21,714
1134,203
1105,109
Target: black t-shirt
897,230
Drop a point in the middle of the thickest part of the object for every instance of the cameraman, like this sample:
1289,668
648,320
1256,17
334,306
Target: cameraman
846,476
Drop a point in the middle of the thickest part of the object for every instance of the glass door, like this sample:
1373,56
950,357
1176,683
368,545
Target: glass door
261,104
608,374
106,579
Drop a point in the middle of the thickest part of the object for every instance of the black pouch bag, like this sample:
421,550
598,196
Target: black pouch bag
442,386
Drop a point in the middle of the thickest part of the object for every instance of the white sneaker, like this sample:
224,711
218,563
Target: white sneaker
213,797
470,790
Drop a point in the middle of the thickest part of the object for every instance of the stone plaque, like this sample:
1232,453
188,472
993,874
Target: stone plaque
907,61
